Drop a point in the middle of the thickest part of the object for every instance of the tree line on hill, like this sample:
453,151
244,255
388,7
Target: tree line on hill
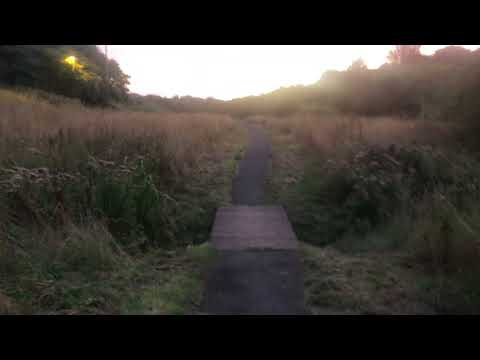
155,103
74,71
443,85
440,86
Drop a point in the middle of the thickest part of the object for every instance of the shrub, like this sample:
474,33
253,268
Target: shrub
367,189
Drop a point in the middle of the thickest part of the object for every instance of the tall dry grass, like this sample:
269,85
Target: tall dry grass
77,159
389,185
330,133
83,190
33,131
366,173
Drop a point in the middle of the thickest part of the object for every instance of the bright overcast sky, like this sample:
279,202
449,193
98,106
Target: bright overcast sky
230,71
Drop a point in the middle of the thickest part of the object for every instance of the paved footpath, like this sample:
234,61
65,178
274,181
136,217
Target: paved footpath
257,270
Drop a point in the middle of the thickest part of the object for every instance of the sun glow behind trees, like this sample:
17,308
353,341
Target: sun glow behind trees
230,71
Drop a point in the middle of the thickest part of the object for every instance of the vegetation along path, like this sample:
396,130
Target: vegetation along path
257,270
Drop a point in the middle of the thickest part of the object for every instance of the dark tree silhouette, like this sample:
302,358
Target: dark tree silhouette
452,54
358,65
405,54
44,67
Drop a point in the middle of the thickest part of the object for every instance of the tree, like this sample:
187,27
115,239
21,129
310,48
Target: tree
45,67
452,55
358,65
405,54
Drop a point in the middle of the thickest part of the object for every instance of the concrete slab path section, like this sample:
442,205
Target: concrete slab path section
252,227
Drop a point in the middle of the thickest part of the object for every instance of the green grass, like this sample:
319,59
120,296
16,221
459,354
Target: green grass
161,282
362,283
176,288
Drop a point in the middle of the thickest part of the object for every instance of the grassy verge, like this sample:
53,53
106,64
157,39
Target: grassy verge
389,214
367,283
171,283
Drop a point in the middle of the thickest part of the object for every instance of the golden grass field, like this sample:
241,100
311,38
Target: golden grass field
91,199
109,211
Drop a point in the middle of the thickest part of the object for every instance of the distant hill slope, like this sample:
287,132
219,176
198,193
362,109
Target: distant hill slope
152,103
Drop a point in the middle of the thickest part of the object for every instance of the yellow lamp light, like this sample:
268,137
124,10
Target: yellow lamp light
72,60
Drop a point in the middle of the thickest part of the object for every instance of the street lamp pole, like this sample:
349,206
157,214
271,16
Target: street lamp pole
106,73
106,62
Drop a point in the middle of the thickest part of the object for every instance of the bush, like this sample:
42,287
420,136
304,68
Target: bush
368,189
